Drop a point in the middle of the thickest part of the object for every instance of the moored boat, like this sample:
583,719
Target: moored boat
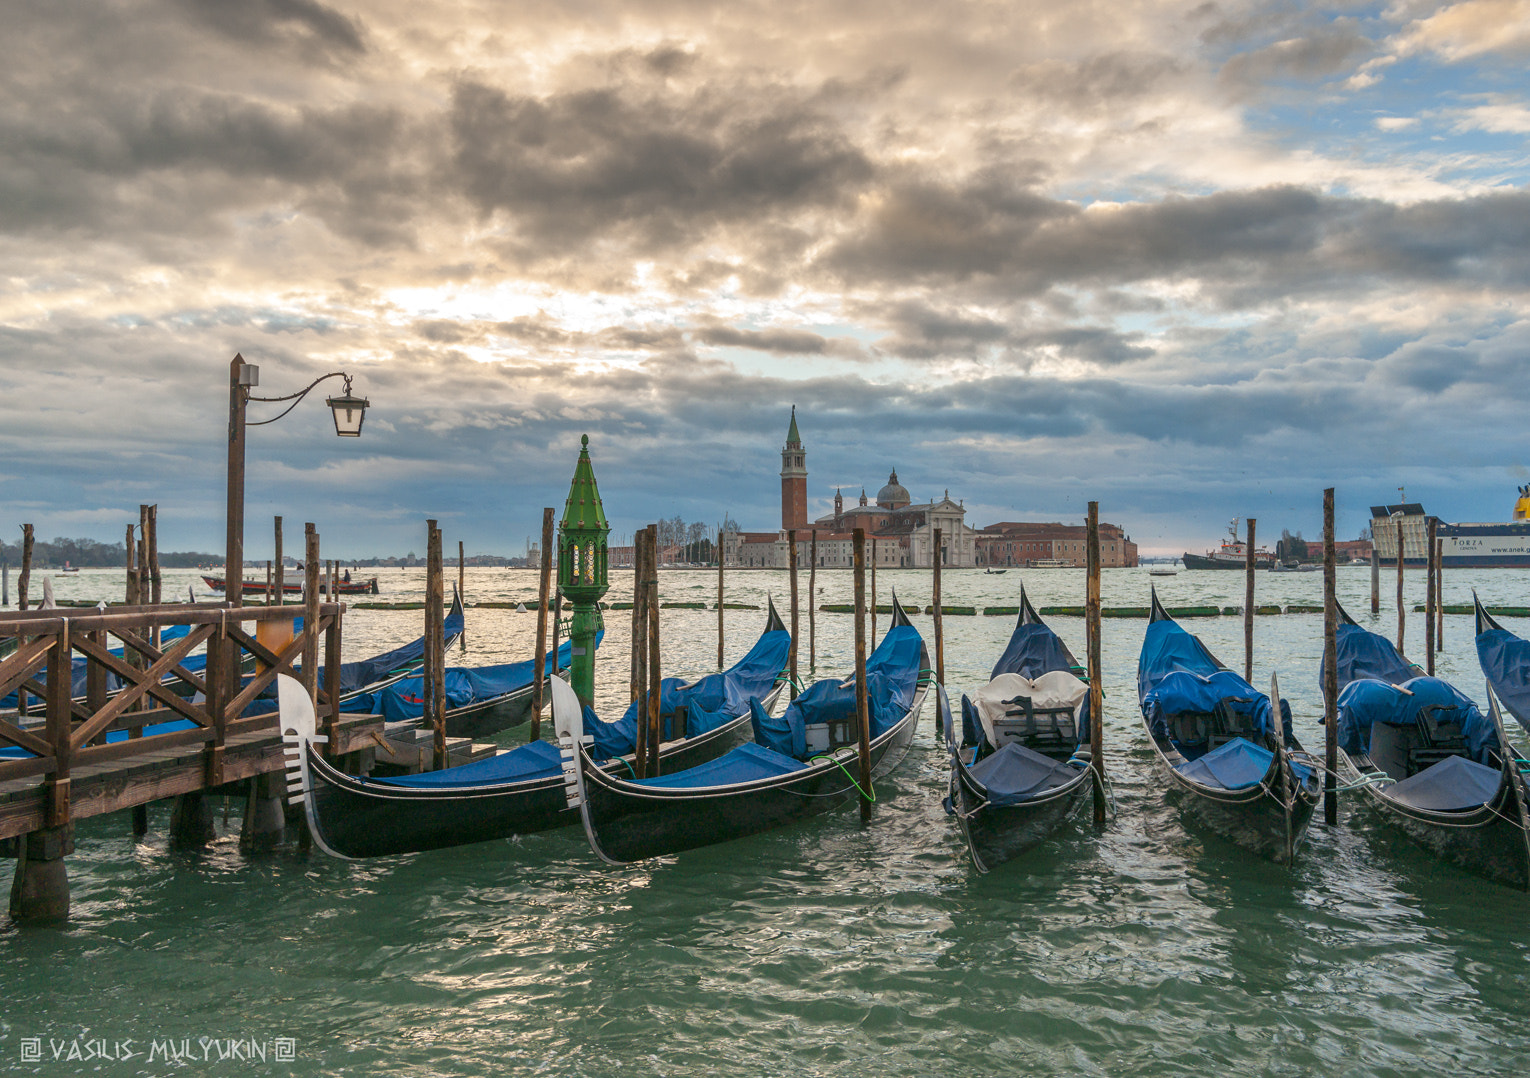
1232,554
1226,747
1023,762
800,764
259,587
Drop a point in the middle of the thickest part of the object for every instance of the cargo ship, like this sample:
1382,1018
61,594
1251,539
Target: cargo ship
1232,555
1465,545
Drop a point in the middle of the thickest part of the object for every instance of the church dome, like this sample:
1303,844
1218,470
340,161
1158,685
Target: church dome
892,496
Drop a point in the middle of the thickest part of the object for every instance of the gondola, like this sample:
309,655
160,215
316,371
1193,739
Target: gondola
1428,760
1505,659
260,587
520,791
802,763
1215,735
1023,763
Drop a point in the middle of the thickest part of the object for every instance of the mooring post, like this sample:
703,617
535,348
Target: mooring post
539,677
812,601
655,671
40,888
1431,596
1248,606
1439,592
435,668
791,556
940,635
23,581
156,579
1331,665
872,639
144,592
332,677
719,598
1401,616
1375,577
462,584
310,612
862,708
281,570
640,574
1095,671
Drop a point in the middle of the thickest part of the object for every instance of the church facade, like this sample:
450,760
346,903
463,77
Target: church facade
899,533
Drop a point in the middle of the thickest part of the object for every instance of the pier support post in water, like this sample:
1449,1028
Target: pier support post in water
791,560
862,707
435,644
1331,665
265,816
26,569
191,822
812,601
40,888
1431,601
1438,548
872,639
720,600
655,697
1248,606
1096,675
1401,616
544,584
940,636
582,574
1375,577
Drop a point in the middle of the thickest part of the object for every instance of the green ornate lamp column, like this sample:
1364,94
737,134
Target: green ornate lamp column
582,576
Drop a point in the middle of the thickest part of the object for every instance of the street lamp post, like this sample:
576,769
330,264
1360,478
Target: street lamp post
349,411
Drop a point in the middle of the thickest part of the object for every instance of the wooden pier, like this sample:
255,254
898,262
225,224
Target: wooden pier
69,770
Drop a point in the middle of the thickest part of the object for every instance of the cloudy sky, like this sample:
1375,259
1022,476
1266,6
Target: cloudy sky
1193,260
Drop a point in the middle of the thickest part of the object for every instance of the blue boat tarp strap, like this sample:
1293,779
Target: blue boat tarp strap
1180,692
1505,659
702,705
1015,705
1015,774
1236,765
743,764
1360,653
1167,647
1364,703
1452,785
533,760
1032,650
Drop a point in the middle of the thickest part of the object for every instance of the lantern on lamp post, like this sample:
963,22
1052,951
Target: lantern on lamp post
582,576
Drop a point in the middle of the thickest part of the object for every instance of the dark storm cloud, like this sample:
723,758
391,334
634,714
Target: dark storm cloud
1316,54
1097,83
287,23
779,341
663,169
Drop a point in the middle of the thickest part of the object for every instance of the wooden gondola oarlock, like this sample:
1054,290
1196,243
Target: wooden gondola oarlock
1248,606
1431,595
655,671
791,560
862,708
719,598
1401,616
539,674
1095,671
812,601
1331,666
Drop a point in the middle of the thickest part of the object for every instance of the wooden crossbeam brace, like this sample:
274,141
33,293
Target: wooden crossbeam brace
24,662
141,682
145,648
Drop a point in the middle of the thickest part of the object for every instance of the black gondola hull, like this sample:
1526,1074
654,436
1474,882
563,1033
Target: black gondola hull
996,834
1253,819
628,822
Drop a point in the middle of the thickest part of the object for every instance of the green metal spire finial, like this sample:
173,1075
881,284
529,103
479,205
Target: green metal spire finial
582,569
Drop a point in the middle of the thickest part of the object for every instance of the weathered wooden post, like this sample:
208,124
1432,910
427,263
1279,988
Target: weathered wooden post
940,636
40,888
791,557
281,569
435,644
862,705
1431,596
655,671
1375,577
812,601
311,610
1331,665
544,572
462,580
25,579
143,554
268,583
130,592
719,598
156,579
582,570
1401,616
639,615
1096,673
1439,593
872,642
1248,606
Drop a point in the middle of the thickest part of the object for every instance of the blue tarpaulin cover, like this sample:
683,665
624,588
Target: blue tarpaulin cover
1453,784
1505,658
358,675
706,704
533,760
892,675
1175,673
743,764
1033,649
1364,654
1015,774
1369,701
1236,765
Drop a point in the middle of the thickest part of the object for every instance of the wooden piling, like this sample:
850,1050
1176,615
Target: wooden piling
812,602
639,615
310,611
862,707
1375,577
655,671
131,591
268,583
1401,616
720,599
539,676
281,570
156,579
557,628
435,644
791,555
23,581
1095,671
872,641
462,581
1431,599
1331,664
940,636
143,553
1248,606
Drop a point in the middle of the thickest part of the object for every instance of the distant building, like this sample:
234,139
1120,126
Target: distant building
1021,544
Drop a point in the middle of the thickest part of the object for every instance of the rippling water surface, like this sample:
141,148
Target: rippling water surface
1147,947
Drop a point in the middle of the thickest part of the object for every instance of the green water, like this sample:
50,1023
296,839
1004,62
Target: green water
1146,948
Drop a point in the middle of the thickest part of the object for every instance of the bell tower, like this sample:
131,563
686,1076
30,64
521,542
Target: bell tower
793,479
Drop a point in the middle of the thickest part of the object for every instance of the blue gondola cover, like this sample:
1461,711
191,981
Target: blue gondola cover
743,764
1033,650
1505,658
1015,774
533,760
1368,701
1236,765
1452,785
1363,654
